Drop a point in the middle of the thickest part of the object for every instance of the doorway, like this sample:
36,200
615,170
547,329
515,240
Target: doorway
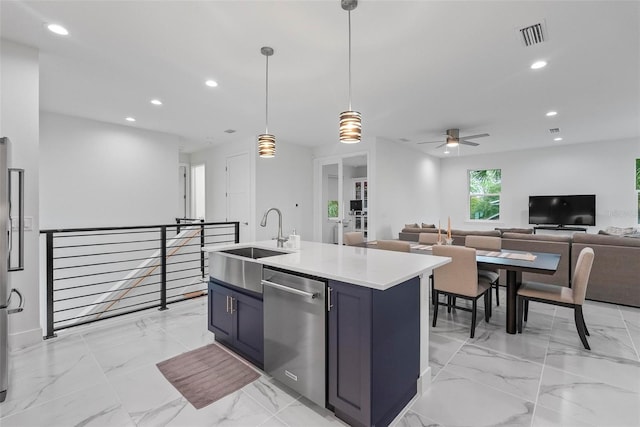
198,193
342,202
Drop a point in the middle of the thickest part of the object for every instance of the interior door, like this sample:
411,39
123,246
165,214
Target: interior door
238,192
182,191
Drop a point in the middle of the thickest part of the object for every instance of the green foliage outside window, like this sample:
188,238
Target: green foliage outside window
333,208
484,194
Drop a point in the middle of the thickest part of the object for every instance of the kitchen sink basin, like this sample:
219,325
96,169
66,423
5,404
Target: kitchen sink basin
252,252
238,266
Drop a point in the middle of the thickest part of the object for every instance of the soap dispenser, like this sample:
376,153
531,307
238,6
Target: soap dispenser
294,239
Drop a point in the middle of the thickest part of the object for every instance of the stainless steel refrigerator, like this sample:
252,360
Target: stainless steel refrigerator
6,250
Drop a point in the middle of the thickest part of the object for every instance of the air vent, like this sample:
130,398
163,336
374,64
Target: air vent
554,130
230,131
532,34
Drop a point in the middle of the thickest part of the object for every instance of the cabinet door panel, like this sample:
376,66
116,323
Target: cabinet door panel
350,351
249,330
220,319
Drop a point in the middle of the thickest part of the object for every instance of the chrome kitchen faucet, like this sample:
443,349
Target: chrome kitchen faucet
281,239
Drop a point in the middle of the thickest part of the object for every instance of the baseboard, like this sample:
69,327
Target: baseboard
424,381
25,339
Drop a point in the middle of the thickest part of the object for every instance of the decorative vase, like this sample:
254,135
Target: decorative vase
449,241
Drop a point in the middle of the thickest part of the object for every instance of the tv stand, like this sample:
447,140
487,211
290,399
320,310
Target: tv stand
557,228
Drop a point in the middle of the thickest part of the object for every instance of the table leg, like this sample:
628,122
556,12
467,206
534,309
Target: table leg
514,278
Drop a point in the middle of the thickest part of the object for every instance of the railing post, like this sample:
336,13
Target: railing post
163,267
202,246
237,229
49,266
178,227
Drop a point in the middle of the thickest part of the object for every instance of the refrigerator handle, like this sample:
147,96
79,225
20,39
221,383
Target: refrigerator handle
20,304
20,264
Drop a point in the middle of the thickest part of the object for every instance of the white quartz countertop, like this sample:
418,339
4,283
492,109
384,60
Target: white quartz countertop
373,268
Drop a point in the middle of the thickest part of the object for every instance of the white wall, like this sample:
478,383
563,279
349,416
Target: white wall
96,174
606,169
408,188
280,182
285,182
19,105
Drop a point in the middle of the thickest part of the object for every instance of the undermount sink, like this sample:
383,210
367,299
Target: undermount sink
238,267
252,252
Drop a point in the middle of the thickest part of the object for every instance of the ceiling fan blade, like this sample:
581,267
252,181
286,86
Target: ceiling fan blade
480,135
441,145
475,144
428,142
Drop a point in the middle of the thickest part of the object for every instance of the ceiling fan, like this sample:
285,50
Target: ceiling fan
454,138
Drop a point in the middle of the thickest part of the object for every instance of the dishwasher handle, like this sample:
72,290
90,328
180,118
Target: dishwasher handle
289,289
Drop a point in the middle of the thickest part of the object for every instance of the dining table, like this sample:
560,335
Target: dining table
513,262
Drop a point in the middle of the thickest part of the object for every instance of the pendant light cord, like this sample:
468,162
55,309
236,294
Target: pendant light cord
266,104
349,60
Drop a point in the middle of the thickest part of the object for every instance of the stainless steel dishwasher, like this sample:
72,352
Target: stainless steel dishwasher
295,332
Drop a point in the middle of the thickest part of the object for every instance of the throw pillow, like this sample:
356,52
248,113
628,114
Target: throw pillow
619,231
428,225
414,225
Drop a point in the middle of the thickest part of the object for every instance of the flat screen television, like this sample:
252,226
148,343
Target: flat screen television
355,205
563,210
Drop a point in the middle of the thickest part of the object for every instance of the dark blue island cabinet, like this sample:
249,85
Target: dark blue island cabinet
237,321
374,351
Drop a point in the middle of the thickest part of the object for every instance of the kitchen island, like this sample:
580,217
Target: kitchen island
378,322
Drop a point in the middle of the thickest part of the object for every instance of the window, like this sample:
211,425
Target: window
484,194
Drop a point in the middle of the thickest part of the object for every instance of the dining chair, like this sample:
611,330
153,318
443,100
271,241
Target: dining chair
572,297
428,238
459,279
488,243
394,245
353,238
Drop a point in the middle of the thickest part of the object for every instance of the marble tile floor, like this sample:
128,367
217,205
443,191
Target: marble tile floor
105,375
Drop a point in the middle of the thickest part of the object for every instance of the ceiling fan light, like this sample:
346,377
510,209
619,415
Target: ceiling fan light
350,127
266,145
452,143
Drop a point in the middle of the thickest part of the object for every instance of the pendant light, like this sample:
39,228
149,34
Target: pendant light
266,141
350,121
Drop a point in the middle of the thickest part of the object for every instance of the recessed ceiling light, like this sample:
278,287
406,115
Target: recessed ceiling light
58,29
557,139
552,113
156,102
211,83
130,119
538,64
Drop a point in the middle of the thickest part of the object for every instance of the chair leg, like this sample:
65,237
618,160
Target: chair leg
473,317
526,309
520,313
435,308
580,326
449,298
434,300
487,305
497,294
586,331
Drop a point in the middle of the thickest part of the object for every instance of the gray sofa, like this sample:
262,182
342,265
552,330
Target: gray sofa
615,274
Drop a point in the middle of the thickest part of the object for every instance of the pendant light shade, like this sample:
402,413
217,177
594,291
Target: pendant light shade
266,145
350,127
350,121
266,141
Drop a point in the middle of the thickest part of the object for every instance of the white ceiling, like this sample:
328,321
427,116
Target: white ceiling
419,68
